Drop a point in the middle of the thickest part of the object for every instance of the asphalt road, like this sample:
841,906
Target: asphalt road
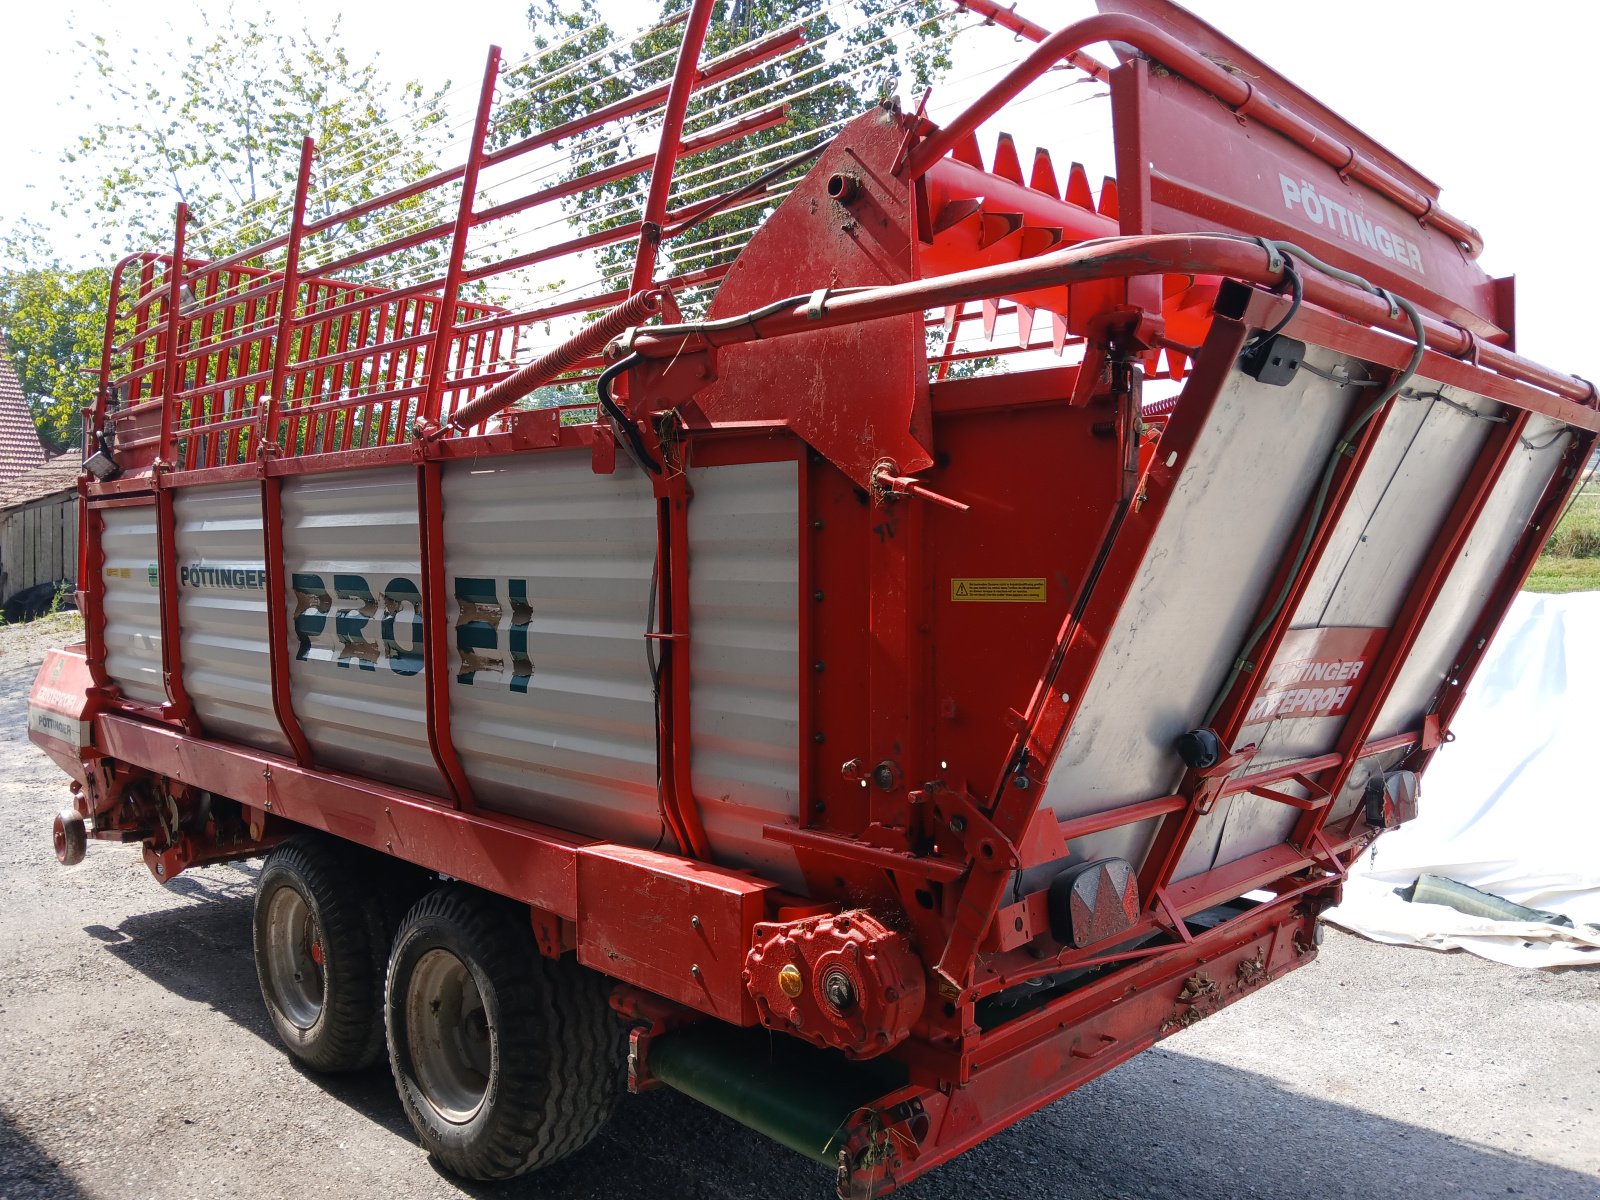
136,1061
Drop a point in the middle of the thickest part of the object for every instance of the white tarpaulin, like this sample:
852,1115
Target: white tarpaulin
1510,806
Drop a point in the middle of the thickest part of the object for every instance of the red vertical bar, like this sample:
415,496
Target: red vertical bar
444,314
316,386
403,311
683,81
178,704
675,713
430,486
91,581
354,381
206,364
287,303
436,663
142,320
272,485
173,367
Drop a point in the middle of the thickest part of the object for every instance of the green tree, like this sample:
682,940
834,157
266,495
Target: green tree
217,124
51,317
853,55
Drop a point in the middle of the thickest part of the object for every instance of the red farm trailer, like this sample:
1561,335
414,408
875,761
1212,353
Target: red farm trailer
973,731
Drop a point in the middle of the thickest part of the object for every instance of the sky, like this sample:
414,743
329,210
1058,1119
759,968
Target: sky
1473,93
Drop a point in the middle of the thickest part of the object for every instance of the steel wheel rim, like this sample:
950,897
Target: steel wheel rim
294,958
449,1036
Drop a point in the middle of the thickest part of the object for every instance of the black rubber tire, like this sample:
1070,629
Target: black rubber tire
556,1051
349,923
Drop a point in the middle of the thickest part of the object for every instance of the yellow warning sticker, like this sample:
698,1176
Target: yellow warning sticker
119,572
998,591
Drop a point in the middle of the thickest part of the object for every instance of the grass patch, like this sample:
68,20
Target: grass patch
1552,574
1571,558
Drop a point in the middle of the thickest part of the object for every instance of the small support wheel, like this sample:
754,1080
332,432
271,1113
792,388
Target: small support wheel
71,837
319,947
505,1060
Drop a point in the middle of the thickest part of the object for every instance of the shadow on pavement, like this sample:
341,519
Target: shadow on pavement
26,1170
1162,1125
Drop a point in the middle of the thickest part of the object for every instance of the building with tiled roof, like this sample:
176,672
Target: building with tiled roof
20,448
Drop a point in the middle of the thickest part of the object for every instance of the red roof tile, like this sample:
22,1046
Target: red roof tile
20,448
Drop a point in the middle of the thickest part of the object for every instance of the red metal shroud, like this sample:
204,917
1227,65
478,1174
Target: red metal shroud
973,565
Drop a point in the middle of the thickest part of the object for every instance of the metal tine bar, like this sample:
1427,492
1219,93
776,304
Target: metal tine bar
785,84
754,123
821,132
601,300
716,72
604,237
289,298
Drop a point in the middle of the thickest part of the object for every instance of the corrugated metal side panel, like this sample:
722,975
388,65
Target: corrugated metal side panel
132,611
553,563
744,581
1226,527
222,612
358,713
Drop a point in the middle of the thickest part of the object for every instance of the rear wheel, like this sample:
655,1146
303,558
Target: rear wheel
319,943
505,1060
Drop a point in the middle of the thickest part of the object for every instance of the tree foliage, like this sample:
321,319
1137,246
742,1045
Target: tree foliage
217,124
854,55
51,316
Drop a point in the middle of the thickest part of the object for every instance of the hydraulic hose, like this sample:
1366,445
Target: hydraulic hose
626,425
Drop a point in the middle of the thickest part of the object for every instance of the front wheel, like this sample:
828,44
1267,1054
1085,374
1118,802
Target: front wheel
505,1060
319,940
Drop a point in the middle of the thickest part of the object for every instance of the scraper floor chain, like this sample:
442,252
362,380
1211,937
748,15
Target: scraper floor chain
506,1060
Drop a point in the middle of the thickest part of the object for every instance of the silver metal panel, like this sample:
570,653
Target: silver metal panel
1505,516
359,713
1225,530
744,600
562,728
222,611
1412,477
132,609
1368,586
1395,514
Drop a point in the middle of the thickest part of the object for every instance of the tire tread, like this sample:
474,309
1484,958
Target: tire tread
560,1046
351,925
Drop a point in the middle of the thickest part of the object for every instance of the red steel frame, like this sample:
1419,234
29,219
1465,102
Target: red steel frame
247,313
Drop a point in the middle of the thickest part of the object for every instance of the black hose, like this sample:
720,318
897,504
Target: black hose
625,424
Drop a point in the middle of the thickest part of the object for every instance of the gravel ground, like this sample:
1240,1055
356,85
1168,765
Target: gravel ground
135,1060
